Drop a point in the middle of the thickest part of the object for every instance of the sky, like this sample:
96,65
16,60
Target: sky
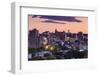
61,23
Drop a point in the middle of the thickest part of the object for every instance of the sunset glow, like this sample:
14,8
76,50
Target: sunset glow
42,26
57,37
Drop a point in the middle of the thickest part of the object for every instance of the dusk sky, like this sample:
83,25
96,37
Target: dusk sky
61,23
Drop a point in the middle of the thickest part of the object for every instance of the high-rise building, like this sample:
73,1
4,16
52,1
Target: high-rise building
60,35
34,40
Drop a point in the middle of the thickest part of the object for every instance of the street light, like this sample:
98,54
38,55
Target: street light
51,48
47,47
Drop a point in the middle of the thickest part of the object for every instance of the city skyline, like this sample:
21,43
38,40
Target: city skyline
57,37
61,23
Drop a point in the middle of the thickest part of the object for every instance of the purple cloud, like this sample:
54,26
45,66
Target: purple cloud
59,18
52,21
56,19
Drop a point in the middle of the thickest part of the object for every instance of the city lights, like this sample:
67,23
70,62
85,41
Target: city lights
47,47
52,48
57,44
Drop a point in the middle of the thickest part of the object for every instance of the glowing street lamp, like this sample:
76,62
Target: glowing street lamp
47,47
51,48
